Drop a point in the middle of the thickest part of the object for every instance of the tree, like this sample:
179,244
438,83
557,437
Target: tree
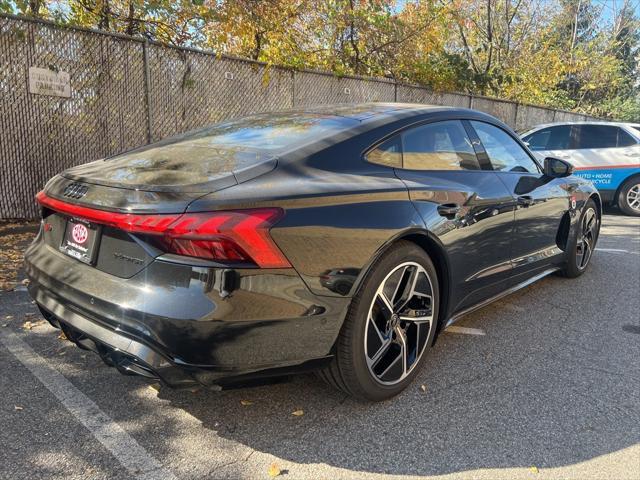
574,54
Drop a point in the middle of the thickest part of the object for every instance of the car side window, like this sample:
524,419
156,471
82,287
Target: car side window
550,138
624,139
602,136
438,146
505,154
388,153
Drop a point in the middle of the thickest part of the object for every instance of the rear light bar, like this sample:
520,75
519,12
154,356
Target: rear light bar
222,236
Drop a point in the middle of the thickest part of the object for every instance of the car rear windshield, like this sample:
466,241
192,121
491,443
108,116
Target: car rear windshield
207,154
271,132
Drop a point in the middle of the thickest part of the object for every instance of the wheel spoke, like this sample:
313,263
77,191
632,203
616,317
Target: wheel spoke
409,289
417,320
586,253
580,252
400,335
589,224
375,327
380,353
391,365
392,284
383,298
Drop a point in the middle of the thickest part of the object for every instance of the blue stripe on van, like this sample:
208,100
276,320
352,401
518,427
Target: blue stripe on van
607,178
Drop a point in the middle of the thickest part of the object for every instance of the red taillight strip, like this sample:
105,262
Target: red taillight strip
125,221
219,235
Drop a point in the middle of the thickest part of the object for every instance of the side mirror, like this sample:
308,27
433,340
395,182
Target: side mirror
557,168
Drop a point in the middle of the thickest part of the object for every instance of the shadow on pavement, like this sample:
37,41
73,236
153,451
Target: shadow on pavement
554,382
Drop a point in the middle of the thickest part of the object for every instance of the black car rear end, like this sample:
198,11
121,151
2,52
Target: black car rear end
124,268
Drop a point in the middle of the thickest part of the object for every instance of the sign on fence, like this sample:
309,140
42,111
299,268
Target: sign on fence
43,81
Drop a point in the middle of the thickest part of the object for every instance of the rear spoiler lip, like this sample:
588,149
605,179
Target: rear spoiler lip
120,200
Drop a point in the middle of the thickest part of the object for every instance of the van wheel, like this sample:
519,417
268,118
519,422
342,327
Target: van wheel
629,197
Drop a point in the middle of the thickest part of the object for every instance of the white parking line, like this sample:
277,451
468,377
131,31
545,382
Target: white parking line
615,250
465,330
138,462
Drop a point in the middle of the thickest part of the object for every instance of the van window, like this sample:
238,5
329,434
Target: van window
550,138
602,136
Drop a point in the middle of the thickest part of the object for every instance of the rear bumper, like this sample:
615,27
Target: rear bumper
186,324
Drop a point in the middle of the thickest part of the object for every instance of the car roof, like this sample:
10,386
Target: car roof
596,122
358,118
368,110
372,114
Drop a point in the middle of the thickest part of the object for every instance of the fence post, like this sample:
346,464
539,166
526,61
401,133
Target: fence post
147,87
293,88
470,101
515,117
395,90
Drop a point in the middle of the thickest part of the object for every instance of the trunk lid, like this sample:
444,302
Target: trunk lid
160,179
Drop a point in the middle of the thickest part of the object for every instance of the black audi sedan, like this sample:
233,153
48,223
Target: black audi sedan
339,239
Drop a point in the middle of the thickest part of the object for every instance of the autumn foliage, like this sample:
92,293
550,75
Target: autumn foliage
572,54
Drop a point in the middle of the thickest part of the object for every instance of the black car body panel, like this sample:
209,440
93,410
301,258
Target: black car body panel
488,232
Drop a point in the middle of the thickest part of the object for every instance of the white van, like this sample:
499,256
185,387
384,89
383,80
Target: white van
606,153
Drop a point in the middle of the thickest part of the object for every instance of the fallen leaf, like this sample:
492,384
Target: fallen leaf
5,324
8,317
26,282
534,469
423,388
274,470
28,325
62,353
18,408
62,336
246,403
298,413
155,386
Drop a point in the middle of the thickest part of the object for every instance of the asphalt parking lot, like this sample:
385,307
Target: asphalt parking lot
543,384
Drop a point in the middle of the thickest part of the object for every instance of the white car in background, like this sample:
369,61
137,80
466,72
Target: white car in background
606,153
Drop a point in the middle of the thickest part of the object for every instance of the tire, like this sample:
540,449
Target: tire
583,242
370,362
629,197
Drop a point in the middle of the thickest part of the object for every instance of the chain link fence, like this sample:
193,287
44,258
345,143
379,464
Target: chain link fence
126,92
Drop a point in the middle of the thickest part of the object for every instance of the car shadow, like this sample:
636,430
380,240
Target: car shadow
540,388
553,382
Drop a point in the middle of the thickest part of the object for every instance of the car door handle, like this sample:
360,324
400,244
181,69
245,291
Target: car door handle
525,200
448,210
